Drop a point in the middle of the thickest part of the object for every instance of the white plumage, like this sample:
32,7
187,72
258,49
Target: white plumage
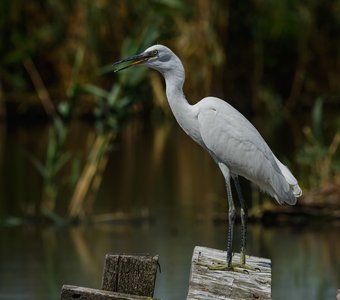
235,142
232,141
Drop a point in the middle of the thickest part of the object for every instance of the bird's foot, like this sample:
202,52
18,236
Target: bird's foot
242,267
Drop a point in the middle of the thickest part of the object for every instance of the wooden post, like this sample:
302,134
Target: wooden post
70,292
125,277
130,274
216,284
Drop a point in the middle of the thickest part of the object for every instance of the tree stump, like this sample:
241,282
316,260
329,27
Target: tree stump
215,284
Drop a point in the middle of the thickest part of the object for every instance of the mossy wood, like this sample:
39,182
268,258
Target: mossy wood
212,284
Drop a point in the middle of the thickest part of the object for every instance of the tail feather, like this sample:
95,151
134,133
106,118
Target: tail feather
291,180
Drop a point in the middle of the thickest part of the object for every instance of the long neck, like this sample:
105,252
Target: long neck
179,105
182,110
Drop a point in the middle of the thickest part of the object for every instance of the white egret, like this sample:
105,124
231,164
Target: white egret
232,141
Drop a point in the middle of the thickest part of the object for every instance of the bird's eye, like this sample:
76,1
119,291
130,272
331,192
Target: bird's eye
155,52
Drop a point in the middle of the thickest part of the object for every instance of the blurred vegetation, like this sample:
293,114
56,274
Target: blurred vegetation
237,50
267,58
320,160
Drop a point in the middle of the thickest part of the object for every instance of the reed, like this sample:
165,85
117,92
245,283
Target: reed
229,49
267,59
91,176
318,158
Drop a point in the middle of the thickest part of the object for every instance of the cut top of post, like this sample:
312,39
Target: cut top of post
130,274
217,284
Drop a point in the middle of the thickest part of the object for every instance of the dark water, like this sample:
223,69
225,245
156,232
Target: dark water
154,169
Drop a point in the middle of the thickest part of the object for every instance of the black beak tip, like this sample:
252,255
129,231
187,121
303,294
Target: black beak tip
117,67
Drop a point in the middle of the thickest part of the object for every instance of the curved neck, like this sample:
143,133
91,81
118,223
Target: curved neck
183,111
174,81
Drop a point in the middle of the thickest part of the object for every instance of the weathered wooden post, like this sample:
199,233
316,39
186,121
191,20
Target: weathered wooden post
211,284
70,292
129,274
125,277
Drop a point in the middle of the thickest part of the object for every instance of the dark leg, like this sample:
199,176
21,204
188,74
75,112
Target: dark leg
231,221
242,267
231,213
244,215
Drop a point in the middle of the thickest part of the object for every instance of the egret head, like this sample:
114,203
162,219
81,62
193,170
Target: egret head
157,57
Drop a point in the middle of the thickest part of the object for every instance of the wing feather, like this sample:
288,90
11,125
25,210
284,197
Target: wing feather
234,141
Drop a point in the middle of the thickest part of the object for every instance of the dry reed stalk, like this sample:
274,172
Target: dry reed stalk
97,155
40,87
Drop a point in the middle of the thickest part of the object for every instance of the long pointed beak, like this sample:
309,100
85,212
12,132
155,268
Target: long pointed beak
134,60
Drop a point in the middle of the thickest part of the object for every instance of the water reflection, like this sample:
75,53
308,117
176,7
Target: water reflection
161,170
